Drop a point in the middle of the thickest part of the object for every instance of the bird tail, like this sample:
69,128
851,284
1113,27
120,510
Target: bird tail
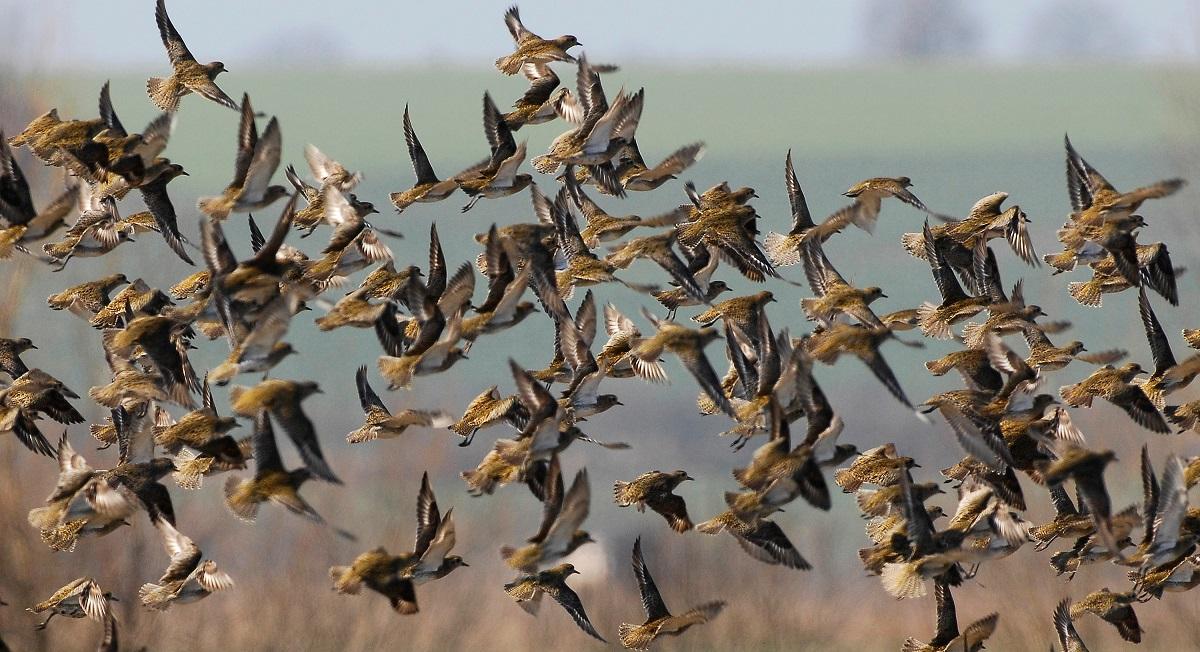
914,244
902,580
680,524
544,164
479,482
1085,292
973,334
344,580
633,638
711,526
781,250
398,371
1183,420
940,366
215,207
239,499
812,307
154,596
164,92
1061,561
42,518
846,480
63,537
1063,261
509,65
190,469
619,491
868,503
931,323
399,201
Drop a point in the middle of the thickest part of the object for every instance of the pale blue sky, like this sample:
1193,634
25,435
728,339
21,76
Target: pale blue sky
261,33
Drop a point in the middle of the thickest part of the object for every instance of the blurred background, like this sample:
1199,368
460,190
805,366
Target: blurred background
966,98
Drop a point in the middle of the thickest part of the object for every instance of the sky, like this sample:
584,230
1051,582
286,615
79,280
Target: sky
267,33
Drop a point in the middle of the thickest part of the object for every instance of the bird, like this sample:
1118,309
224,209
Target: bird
528,590
188,75
1114,385
80,598
396,576
256,162
560,533
381,423
947,636
655,489
428,187
531,48
189,577
1064,626
786,249
659,621
282,399
271,481
496,176
1114,608
868,196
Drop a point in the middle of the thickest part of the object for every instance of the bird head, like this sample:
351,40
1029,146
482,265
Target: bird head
274,193
307,388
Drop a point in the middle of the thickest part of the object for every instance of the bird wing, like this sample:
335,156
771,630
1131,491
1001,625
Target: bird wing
420,161
570,601
512,20
947,618
652,601
367,398
801,217
1160,348
428,517
266,454
262,166
171,39
160,206
302,433
552,501
575,507
184,553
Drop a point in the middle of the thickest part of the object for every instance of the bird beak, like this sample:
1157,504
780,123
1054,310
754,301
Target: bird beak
33,346
846,194
882,295
916,466
620,403
688,477
465,564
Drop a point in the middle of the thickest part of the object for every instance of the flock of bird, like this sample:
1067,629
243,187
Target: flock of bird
427,319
